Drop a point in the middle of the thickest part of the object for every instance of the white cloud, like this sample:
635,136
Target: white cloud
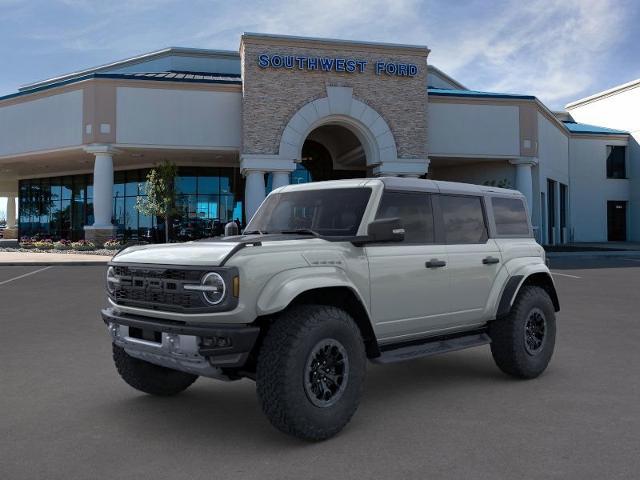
554,49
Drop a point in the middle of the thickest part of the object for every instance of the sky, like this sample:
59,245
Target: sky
558,50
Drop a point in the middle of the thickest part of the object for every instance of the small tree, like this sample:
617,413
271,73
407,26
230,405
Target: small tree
160,193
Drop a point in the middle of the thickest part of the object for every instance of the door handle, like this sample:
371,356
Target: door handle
490,260
435,263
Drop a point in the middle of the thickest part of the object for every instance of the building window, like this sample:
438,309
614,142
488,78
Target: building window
616,162
60,207
463,219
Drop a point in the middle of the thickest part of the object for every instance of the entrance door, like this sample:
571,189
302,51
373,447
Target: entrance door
409,280
617,221
551,212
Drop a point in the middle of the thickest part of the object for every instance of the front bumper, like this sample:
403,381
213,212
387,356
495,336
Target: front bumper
202,350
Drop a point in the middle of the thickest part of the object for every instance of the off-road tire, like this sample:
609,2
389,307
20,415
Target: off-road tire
150,378
283,366
508,341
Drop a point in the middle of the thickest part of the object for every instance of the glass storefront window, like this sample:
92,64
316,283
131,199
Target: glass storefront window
60,207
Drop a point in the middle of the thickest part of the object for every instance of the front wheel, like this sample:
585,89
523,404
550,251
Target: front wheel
311,371
523,342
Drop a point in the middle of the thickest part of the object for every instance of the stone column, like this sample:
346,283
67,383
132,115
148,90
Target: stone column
280,179
102,228
254,191
253,167
524,178
11,211
11,232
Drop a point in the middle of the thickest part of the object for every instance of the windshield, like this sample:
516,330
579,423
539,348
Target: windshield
327,212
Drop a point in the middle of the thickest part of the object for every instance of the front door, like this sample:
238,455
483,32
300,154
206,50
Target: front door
409,280
617,221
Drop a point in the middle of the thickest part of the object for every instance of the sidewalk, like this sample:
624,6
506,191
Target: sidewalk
32,258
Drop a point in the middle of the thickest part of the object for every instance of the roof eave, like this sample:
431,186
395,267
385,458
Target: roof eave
129,61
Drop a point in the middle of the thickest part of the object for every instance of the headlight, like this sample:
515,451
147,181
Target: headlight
112,280
212,287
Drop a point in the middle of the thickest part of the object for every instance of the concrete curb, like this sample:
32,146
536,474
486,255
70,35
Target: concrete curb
54,264
616,253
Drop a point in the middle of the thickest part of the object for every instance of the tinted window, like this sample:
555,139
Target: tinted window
510,216
330,212
414,210
463,219
616,167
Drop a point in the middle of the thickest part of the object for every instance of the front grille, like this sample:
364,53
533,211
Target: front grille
158,288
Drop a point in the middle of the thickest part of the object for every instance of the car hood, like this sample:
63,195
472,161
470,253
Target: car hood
210,252
191,253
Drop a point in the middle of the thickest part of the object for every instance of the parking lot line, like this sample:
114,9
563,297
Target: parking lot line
565,275
25,275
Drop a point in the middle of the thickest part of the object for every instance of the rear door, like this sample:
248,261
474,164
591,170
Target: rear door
474,258
409,280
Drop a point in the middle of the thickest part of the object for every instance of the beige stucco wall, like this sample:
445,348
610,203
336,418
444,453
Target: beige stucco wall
460,129
178,117
272,96
49,122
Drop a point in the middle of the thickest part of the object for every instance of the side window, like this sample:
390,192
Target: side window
510,216
616,161
414,210
463,219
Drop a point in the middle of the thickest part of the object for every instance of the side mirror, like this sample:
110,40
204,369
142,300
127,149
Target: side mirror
385,230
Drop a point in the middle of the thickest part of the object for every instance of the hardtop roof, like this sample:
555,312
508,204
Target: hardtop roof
409,184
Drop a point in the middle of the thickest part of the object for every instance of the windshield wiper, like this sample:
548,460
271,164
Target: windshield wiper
254,232
301,231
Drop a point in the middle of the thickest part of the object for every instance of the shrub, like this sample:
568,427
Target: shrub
26,242
83,245
62,245
43,244
113,244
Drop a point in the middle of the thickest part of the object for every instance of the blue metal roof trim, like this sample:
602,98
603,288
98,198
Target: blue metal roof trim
228,79
575,127
443,92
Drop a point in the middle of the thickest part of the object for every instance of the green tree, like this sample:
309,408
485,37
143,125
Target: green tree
160,199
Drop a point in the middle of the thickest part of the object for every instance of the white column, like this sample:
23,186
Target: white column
11,211
254,192
253,167
102,186
280,179
524,178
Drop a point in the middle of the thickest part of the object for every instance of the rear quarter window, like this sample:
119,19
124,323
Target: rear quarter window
510,216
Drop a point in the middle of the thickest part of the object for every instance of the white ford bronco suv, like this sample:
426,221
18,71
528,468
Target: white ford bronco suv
325,277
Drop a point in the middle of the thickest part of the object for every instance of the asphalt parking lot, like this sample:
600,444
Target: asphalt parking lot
65,413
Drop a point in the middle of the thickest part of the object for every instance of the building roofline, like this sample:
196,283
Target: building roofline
445,92
604,93
336,41
131,61
446,76
119,76
475,95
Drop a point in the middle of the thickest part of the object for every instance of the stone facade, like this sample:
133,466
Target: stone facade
272,96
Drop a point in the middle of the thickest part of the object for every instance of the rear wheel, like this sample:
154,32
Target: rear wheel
523,342
311,371
150,378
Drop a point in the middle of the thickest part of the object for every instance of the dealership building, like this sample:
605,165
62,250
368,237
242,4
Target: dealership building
75,149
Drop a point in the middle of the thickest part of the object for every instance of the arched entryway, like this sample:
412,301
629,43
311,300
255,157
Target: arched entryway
333,152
